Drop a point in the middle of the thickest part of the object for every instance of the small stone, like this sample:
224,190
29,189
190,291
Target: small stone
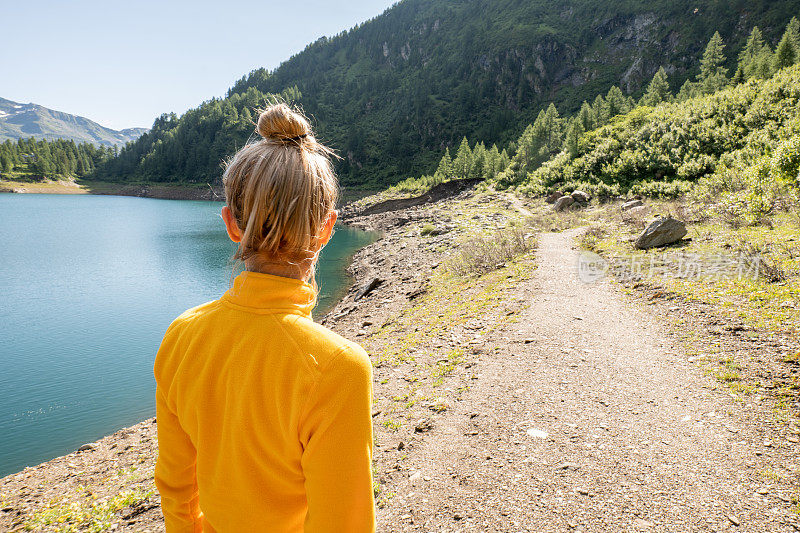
733,519
423,425
86,448
415,477
639,522
401,445
568,466
630,205
457,516
582,491
439,404
537,433
366,323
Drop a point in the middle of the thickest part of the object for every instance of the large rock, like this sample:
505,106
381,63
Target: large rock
660,232
631,204
563,203
551,199
580,196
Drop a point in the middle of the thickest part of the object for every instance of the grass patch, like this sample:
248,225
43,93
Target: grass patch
769,300
391,424
483,253
427,229
90,515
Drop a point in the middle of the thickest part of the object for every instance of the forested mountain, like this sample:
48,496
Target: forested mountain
731,141
392,93
23,121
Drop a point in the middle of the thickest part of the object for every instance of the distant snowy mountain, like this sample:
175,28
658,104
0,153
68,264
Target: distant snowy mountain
32,120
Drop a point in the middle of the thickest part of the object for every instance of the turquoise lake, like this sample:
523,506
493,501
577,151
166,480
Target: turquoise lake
89,285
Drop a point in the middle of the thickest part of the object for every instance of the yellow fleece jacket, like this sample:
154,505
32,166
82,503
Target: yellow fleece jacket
264,417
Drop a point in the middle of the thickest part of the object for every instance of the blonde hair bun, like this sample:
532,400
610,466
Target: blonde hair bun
279,122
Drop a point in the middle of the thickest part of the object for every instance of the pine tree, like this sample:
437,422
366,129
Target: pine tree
599,110
616,103
765,64
689,89
463,160
793,30
445,168
658,90
750,54
572,141
738,77
586,116
478,162
786,54
493,164
713,74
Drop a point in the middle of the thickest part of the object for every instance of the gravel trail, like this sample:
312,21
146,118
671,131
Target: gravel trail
587,416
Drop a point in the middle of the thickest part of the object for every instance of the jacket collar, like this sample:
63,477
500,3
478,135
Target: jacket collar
265,292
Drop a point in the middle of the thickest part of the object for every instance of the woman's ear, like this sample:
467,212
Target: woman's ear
327,229
230,225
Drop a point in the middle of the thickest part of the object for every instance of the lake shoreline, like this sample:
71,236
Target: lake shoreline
161,191
164,191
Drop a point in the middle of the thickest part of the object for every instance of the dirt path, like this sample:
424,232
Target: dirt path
589,417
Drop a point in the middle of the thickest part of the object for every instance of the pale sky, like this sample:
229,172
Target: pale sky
123,63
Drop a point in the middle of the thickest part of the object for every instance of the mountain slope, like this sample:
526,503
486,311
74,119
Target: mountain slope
19,121
393,92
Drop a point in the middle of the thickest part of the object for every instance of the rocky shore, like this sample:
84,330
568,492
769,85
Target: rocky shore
148,190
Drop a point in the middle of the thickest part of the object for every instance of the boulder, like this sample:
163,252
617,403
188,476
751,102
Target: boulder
639,210
631,204
580,196
563,203
551,199
368,288
660,232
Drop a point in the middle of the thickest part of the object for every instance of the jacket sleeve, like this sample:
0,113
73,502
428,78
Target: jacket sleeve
175,474
336,433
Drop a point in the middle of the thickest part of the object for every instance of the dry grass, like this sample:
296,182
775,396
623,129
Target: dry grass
484,253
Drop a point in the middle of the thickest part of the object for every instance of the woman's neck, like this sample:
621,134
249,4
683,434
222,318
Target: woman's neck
284,270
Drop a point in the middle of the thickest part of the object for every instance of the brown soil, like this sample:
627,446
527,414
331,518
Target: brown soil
520,400
436,193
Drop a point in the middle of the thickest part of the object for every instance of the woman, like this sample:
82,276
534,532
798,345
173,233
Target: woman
263,415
